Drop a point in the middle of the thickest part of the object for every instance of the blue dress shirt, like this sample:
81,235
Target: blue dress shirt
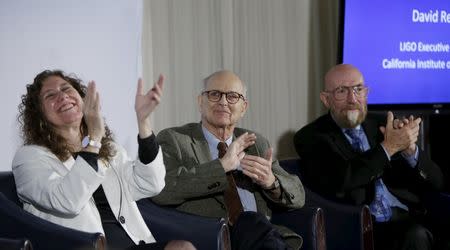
390,199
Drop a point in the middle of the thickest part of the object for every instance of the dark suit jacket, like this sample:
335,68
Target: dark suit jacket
332,168
195,183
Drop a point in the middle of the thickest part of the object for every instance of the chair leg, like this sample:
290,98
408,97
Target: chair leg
27,245
100,244
225,242
367,229
320,231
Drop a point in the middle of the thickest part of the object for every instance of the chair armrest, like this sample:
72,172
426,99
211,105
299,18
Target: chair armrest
437,212
15,244
308,222
347,226
438,207
367,229
45,235
170,224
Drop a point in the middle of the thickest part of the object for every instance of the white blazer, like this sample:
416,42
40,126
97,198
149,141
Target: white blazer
61,192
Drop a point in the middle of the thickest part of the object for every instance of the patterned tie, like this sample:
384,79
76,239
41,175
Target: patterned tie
231,196
380,206
355,135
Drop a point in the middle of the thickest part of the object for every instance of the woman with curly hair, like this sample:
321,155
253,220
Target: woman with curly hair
72,173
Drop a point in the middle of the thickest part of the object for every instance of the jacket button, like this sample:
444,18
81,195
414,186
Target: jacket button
214,185
122,219
423,174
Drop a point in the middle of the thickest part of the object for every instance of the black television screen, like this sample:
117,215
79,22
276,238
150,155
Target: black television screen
402,47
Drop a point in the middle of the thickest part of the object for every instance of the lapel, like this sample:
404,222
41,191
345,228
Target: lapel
67,166
337,136
261,206
370,129
199,145
112,187
252,150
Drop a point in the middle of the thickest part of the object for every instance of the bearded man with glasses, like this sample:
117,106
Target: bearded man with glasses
216,169
352,158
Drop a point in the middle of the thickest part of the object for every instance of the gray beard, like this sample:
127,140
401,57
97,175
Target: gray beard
352,117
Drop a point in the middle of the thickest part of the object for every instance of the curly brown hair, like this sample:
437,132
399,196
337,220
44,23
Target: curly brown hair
38,131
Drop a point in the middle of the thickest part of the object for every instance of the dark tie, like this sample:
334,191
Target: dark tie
222,147
231,196
355,135
380,206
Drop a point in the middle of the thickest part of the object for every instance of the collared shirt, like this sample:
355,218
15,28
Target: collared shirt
393,201
247,198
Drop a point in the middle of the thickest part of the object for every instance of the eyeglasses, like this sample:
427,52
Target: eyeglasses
216,95
341,93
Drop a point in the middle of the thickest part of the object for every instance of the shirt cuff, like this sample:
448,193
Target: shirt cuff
412,159
386,152
90,158
148,149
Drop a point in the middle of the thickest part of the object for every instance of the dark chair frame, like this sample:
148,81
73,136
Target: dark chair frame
170,224
165,224
307,222
15,244
17,223
437,212
347,227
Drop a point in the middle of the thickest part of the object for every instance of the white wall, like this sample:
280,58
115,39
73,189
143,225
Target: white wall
96,39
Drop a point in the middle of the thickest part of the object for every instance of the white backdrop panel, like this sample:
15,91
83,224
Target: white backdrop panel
97,40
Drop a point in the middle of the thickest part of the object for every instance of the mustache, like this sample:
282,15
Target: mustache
354,106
